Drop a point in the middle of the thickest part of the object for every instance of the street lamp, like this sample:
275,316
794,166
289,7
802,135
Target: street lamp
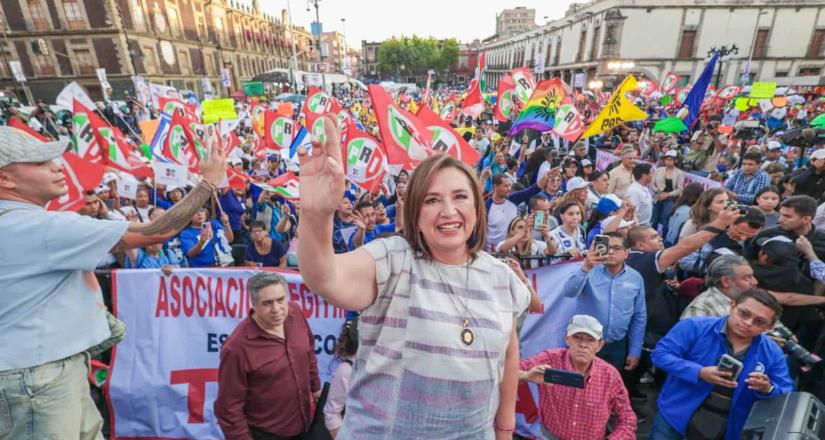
725,54
596,84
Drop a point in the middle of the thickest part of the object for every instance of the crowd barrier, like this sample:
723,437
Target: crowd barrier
163,378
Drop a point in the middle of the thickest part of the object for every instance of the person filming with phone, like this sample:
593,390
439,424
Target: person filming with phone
578,392
717,368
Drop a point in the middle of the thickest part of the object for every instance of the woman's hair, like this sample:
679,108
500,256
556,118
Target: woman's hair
690,194
567,205
700,214
769,188
417,189
513,224
347,343
594,175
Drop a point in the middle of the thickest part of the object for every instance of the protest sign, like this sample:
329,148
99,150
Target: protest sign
218,109
171,174
763,90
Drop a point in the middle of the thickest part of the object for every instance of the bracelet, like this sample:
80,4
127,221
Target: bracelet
505,430
208,185
713,229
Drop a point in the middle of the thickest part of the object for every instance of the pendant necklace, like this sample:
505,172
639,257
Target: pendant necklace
467,335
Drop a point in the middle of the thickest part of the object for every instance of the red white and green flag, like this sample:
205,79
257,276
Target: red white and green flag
525,84
119,153
505,99
286,185
365,161
569,123
473,103
280,131
86,144
448,110
81,176
446,139
179,145
406,138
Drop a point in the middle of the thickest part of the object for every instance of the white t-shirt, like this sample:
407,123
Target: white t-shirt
143,213
498,219
537,247
565,242
641,198
544,169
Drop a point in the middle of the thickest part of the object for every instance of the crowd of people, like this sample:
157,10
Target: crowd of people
692,246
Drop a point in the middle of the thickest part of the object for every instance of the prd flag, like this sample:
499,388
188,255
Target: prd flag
280,131
569,123
448,111
286,185
617,111
473,102
669,83
446,139
81,176
14,122
85,142
540,110
365,162
525,84
407,139
504,100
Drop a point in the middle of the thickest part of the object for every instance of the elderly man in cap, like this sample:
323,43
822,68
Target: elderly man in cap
569,413
51,307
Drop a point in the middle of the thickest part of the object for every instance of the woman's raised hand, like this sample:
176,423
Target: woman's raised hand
322,175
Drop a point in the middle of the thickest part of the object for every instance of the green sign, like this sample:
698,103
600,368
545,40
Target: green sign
253,88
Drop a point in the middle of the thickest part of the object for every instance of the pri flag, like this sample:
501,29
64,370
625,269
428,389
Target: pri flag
617,111
236,179
540,111
448,111
286,185
365,159
85,142
179,145
647,87
473,102
729,92
525,84
172,105
318,103
119,153
81,176
280,131
504,100
446,139
669,83
569,124
407,140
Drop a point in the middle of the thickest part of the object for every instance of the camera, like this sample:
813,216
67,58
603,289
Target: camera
748,130
806,359
743,209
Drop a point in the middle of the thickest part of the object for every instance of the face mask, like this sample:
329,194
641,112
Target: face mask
721,167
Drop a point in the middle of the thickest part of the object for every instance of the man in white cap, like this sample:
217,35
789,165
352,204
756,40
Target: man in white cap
51,307
582,414
773,154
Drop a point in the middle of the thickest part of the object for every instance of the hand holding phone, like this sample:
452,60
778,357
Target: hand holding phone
564,378
538,219
601,244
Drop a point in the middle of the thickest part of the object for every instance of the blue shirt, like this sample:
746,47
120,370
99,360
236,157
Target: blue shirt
695,343
746,187
234,208
189,237
617,302
372,235
146,261
51,305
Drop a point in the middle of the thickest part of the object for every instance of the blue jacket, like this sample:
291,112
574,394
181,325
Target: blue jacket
695,343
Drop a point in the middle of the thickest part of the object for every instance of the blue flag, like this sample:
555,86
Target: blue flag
694,99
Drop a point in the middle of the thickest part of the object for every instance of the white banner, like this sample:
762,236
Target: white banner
163,382
603,159
170,174
17,71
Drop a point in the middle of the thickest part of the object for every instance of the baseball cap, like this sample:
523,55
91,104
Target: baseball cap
576,183
234,161
779,248
672,153
609,203
17,146
587,163
816,155
774,145
585,324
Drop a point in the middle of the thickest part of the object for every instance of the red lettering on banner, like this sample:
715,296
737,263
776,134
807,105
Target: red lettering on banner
219,299
175,306
293,295
230,307
188,293
162,304
196,394
306,303
525,404
244,301
210,294
200,285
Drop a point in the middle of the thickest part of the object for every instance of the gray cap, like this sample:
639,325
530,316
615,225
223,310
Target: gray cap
17,146
585,324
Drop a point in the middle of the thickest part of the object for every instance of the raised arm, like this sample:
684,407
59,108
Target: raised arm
345,280
172,221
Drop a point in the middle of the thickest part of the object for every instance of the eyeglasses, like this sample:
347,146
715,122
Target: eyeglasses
746,315
615,248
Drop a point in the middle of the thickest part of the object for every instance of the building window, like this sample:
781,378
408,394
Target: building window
137,14
816,46
208,62
582,44
39,14
809,71
686,45
43,65
174,24
74,16
184,62
594,48
85,61
780,75
150,60
557,56
760,46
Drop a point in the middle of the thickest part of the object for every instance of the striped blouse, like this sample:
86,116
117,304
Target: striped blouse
413,376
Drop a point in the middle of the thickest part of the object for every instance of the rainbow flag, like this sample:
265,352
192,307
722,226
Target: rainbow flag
539,112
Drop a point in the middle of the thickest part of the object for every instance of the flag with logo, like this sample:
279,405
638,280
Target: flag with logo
504,100
86,144
118,152
365,161
617,111
669,83
473,103
179,144
172,105
407,139
539,111
280,131
257,112
286,185
318,103
481,69
729,92
569,123
648,86
81,176
445,139
448,110
525,84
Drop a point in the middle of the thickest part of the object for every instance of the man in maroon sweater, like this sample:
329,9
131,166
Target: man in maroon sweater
268,373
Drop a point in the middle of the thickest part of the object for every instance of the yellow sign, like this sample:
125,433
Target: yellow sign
617,111
215,110
742,104
763,90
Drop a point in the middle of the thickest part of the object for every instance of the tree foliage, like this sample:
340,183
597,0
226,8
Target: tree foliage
417,55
